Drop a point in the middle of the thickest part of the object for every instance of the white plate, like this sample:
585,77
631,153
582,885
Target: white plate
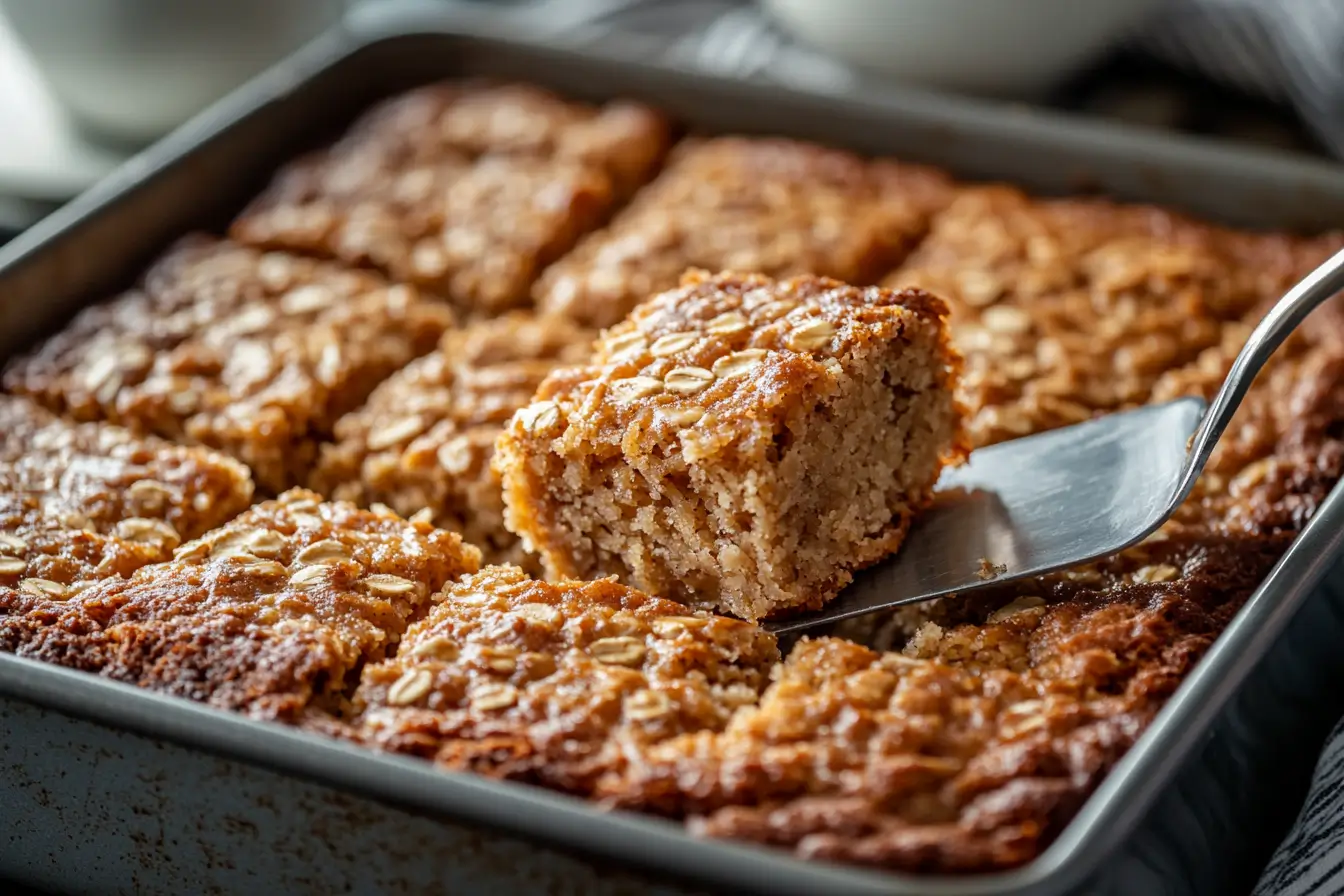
1012,48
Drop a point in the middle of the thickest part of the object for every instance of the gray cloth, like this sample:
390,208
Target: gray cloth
1288,51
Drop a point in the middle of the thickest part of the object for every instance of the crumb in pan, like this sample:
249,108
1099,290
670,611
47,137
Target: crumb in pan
989,570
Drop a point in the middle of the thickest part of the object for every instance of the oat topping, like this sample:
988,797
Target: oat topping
775,207
264,634
465,209
191,365
560,680
79,502
725,442
424,441
1068,308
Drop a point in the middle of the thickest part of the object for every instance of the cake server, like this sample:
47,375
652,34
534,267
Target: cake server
1053,500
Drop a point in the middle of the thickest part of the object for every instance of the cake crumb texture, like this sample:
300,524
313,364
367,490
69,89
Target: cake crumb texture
739,442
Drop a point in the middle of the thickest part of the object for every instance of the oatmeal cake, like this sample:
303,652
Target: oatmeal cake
1064,309
467,190
271,614
255,354
81,501
715,432
426,436
739,442
773,206
558,684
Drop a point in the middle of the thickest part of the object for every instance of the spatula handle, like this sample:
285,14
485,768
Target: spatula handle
1282,319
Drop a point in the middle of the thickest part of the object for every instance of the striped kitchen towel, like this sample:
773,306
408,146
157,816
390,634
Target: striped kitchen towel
1311,860
1289,51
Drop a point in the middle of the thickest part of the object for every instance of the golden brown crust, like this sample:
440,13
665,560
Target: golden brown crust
694,459
465,189
559,684
426,436
82,501
772,206
1285,449
269,615
256,354
474,118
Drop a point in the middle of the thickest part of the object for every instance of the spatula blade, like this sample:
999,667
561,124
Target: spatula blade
1031,506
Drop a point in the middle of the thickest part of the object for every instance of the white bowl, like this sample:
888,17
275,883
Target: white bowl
991,47
135,69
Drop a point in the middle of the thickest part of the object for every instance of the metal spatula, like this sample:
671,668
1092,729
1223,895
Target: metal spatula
1054,500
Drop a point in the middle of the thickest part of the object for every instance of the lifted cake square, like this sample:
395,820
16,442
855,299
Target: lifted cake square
739,443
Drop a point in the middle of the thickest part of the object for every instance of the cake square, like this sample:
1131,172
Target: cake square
255,354
467,190
558,684
425,438
473,118
773,206
82,501
273,614
1069,308
739,443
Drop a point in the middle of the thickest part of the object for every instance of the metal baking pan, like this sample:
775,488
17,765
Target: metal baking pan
107,788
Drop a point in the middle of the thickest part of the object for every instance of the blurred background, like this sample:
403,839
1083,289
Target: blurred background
84,83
